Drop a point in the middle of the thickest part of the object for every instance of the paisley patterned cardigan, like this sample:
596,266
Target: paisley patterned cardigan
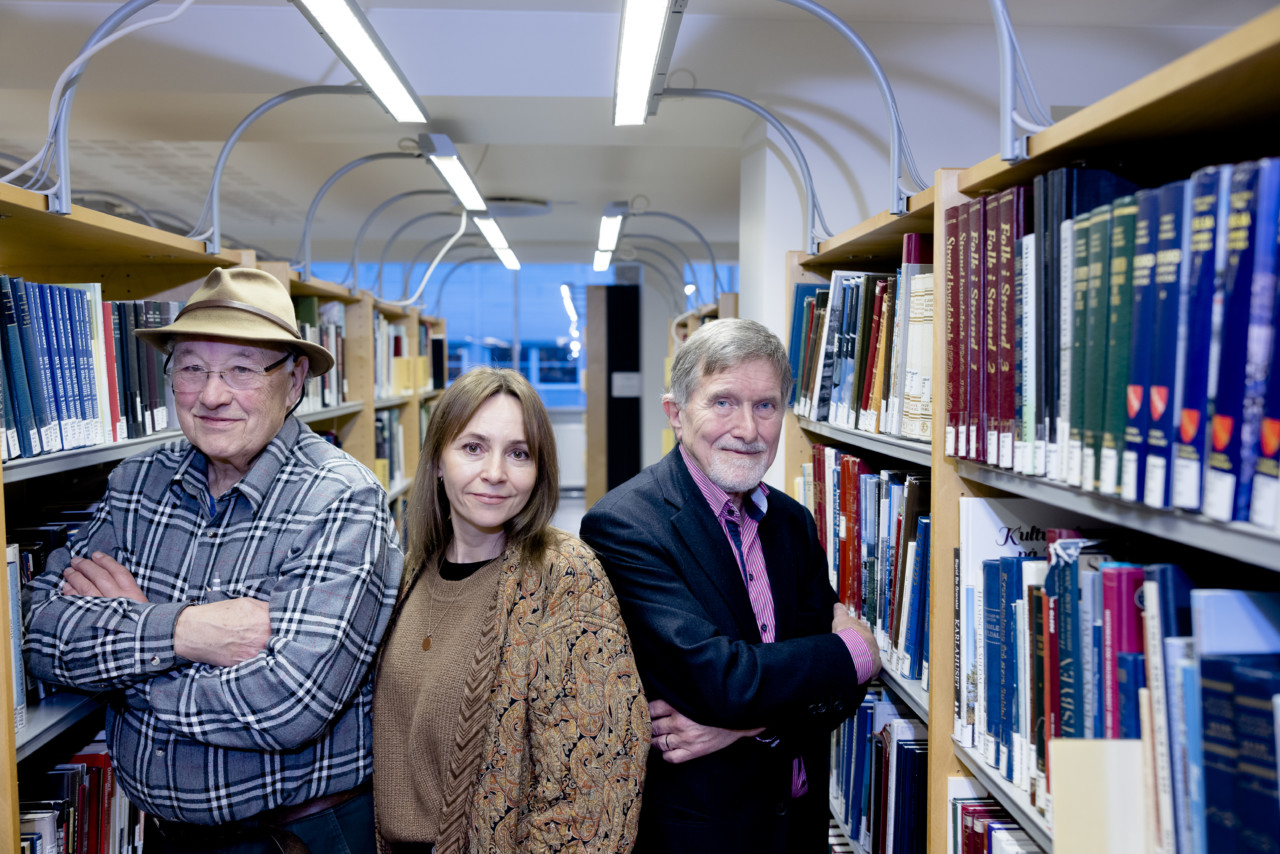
554,728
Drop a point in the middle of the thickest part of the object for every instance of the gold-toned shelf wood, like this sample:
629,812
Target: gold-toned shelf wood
877,242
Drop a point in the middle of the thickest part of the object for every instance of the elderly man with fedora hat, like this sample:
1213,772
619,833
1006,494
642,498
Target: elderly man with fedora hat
229,594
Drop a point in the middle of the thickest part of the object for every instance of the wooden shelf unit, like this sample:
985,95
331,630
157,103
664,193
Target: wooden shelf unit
135,261
1216,104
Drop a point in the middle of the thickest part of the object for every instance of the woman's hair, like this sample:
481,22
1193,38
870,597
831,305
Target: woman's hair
427,526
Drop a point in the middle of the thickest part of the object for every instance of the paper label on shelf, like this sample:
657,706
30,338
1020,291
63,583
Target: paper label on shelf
1039,460
1020,456
973,441
1129,476
624,384
1219,494
1052,462
1262,506
1006,451
1186,483
993,448
1108,471
1088,470
950,439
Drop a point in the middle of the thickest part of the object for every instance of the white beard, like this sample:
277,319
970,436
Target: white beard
736,474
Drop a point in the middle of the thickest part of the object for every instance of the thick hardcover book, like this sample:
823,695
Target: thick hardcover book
876,369
60,358
858,349
958,345
87,299
1063,587
1131,677
1124,217
989,421
917,414
851,470
1043,317
1079,323
841,379
873,344
1264,505
1256,770
71,327
1121,632
39,369
1248,286
1141,338
112,371
1096,315
1166,596
825,370
127,357
9,441
817,324
16,373
976,280
1005,668
802,379
1209,192
1168,351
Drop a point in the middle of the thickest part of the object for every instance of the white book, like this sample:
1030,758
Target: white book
13,590
917,417
1066,298
959,789
1154,644
903,663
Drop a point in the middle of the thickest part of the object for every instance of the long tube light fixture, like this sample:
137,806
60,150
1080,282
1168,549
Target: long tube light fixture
344,26
497,242
611,225
443,155
645,43
602,261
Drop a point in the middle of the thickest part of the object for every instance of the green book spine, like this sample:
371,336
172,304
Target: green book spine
1095,342
1124,220
1079,285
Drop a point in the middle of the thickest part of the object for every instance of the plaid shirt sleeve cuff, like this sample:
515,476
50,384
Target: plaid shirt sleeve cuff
863,660
156,625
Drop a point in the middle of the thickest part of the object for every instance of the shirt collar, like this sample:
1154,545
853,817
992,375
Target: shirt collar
192,475
718,499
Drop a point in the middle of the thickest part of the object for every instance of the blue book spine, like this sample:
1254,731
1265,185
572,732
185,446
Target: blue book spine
798,319
1133,464
95,408
1193,714
1163,401
1256,791
1131,675
1095,677
46,297
1063,563
1249,285
37,362
1209,197
1179,651
993,637
1010,593
16,373
70,367
1220,751
918,633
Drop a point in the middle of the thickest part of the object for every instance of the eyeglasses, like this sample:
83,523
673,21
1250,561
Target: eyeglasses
191,378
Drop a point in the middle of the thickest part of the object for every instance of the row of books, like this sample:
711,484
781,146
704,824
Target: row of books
388,448
74,374
875,528
76,807
862,348
324,324
1059,637
979,824
395,367
879,777
1121,340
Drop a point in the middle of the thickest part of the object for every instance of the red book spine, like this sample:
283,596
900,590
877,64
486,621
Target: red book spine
1007,350
819,491
848,523
873,343
113,391
974,275
955,334
990,418
1121,632
916,249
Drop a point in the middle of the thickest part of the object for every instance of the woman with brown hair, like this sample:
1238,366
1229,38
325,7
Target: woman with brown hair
508,715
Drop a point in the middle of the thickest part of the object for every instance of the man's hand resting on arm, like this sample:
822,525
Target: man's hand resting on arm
681,739
222,633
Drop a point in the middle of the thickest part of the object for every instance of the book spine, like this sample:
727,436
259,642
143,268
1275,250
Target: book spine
989,421
1130,678
1141,339
16,373
1008,204
1080,286
1217,706
977,331
1124,219
1097,289
993,640
958,288
117,428
1250,283
1164,400
1209,198
1256,789
39,370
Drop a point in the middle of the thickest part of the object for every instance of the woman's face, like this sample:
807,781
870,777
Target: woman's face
488,471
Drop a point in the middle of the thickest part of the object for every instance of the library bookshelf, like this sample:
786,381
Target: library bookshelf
134,261
1216,104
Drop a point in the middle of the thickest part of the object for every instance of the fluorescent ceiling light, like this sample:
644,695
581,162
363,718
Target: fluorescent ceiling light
508,258
489,228
690,289
349,32
610,227
602,261
645,43
444,156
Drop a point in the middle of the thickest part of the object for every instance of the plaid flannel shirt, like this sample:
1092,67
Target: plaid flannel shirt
307,529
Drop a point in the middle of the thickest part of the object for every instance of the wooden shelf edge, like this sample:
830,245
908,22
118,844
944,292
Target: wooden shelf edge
1013,799
918,453
392,402
1192,73
1237,540
331,412
322,289
26,468
52,716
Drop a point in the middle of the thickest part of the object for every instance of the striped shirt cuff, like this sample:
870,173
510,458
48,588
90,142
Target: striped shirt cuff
863,661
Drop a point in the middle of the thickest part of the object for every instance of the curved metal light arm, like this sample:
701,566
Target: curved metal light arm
705,245
899,152
427,247
812,211
212,208
671,244
1015,78
395,235
354,264
304,249
672,264
435,310
671,289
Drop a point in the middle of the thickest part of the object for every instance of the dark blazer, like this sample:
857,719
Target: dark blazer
698,647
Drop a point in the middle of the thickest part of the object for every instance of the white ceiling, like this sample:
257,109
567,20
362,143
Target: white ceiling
524,88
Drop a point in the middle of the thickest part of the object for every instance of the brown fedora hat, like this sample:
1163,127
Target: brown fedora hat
243,304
